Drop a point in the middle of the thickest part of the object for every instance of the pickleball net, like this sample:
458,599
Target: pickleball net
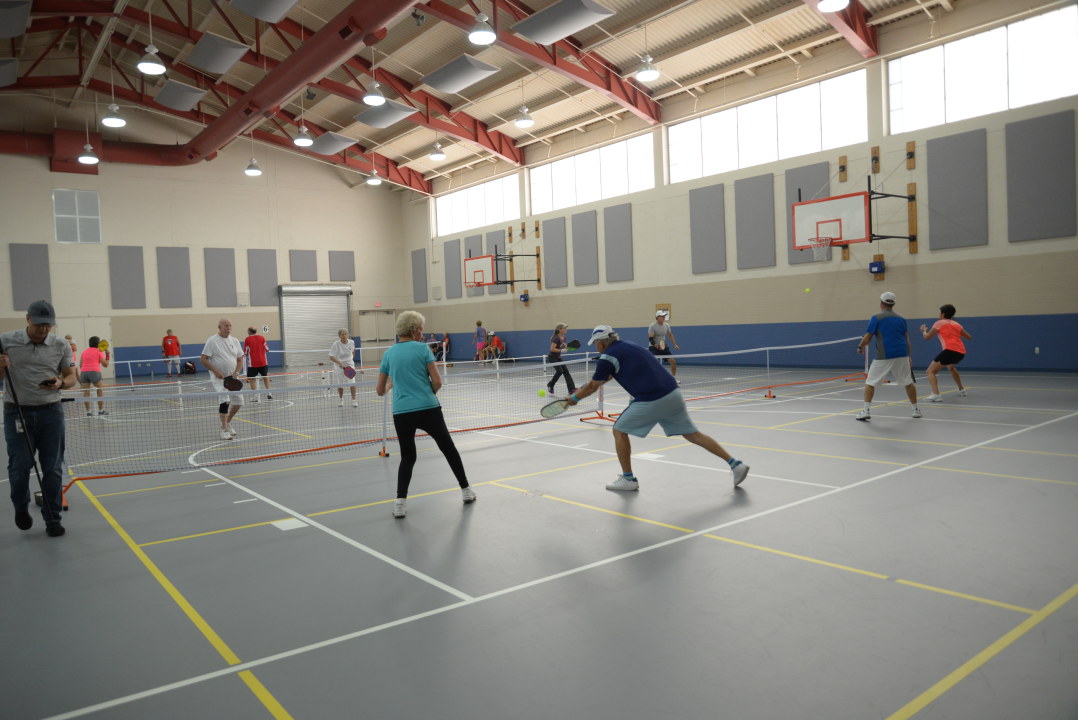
157,427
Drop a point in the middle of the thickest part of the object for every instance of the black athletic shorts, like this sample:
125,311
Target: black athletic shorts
949,357
256,371
656,351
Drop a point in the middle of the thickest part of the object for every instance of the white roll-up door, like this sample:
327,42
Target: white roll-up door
311,315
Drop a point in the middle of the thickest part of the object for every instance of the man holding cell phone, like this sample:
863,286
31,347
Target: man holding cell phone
35,366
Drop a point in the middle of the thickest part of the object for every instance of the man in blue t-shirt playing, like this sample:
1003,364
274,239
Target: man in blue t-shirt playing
892,354
656,399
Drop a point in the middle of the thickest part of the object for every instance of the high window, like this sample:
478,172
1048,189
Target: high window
616,169
489,203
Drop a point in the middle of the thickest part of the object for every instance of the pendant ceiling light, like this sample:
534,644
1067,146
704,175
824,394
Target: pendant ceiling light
151,64
832,5
482,33
374,179
436,153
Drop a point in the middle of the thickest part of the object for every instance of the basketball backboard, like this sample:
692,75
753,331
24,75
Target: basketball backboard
843,218
479,271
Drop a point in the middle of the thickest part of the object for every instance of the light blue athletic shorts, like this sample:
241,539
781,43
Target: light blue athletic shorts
668,411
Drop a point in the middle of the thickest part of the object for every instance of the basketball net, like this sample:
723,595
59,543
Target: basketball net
819,247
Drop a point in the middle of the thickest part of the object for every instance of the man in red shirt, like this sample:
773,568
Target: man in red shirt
254,346
170,351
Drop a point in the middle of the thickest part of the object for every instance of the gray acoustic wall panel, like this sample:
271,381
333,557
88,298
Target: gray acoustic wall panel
127,277
419,275
814,183
618,242
707,229
454,268
174,277
957,193
220,277
262,277
473,247
1040,178
585,249
555,261
496,246
303,265
342,266
30,276
754,221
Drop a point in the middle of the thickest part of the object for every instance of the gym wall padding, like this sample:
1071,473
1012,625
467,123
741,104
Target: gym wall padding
814,183
707,228
342,266
1040,178
585,249
29,274
754,221
174,277
220,277
473,247
496,246
453,268
957,193
419,275
303,265
618,242
127,279
555,261
262,277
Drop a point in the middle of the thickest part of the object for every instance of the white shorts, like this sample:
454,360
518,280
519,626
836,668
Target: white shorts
339,376
899,368
224,396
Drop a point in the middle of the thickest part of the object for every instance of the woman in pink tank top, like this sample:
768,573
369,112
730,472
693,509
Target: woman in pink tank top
951,335
90,365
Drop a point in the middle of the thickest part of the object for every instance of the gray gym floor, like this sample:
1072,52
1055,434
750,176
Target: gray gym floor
898,568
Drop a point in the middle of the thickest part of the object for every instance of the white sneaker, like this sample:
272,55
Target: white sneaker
934,398
468,494
399,509
916,412
962,392
623,483
225,435
355,403
863,414
740,472
232,432
340,403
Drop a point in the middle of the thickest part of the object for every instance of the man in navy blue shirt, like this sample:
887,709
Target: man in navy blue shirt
892,354
656,399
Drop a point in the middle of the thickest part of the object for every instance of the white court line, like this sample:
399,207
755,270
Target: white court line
214,484
344,538
302,650
237,502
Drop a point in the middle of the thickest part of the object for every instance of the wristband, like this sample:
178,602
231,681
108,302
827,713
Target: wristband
575,398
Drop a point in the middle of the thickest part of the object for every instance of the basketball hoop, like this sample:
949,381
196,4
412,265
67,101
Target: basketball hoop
819,247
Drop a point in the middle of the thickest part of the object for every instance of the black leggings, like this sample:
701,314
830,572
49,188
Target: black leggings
560,371
431,422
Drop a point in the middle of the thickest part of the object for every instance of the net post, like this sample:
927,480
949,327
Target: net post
767,362
179,393
385,425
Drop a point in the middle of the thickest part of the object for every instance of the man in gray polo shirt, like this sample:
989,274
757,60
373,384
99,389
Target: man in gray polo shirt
35,365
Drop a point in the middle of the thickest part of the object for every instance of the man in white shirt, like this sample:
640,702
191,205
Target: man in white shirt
223,357
660,336
343,353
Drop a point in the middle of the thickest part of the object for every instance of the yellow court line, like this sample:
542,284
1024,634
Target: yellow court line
1028,452
804,420
974,663
1001,475
593,507
260,691
986,601
271,427
211,532
156,487
878,576
193,615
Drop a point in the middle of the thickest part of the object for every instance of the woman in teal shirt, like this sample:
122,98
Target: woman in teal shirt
410,370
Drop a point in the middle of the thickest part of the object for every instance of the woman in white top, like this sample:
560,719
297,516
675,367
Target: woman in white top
343,352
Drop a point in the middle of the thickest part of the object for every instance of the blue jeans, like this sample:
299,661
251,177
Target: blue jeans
44,425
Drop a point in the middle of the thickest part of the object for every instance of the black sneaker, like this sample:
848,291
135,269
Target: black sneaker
54,529
23,519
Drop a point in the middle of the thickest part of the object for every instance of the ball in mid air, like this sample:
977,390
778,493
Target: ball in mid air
542,392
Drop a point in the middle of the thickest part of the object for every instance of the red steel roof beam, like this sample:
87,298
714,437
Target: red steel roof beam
597,74
852,24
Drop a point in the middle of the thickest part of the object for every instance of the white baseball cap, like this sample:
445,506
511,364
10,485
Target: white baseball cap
661,313
888,298
601,332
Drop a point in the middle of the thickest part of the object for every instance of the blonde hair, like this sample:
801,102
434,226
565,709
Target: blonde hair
560,326
408,322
